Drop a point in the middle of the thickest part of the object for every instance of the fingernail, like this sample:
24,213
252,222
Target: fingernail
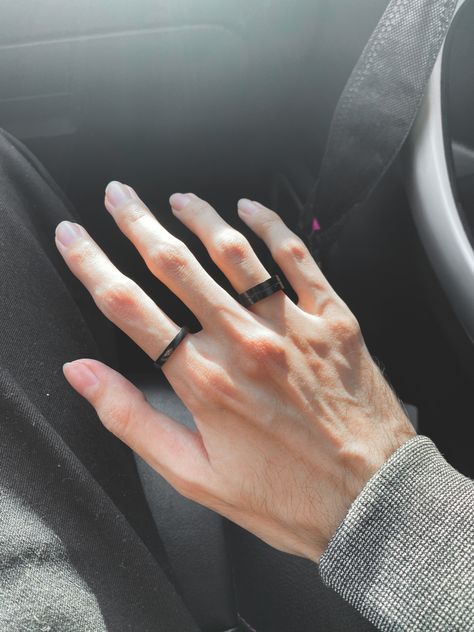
178,201
80,376
117,194
247,206
67,233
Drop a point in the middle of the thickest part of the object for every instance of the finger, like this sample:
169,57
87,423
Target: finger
176,452
228,248
290,253
168,258
119,298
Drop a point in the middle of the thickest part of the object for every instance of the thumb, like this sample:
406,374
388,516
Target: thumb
173,450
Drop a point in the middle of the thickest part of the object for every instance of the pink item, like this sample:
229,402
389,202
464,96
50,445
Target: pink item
315,226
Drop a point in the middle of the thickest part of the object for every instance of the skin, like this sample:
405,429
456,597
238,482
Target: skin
293,416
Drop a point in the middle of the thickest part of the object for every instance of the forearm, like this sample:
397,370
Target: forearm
404,555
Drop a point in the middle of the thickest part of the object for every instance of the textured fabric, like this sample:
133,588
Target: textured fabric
404,555
79,550
378,106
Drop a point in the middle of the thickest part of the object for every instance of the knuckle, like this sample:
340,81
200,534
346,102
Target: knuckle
198,206
133,212
170,256
118,420
291,248
265,349
79,254
269,219
232,246
345,327
118,297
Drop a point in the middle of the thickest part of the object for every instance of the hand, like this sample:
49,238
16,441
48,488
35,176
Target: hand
293,416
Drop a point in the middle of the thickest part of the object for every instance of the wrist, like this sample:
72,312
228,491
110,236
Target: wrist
362,465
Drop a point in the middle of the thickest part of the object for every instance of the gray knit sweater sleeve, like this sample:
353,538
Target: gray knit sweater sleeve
404,554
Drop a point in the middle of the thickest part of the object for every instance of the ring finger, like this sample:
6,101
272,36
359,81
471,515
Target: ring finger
228,248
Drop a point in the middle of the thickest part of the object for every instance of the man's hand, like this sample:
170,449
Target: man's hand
293,415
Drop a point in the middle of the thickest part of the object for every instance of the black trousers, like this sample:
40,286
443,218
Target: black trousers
78,547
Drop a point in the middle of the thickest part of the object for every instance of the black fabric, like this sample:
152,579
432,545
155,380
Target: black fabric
192,534
377,107
277,592
78,547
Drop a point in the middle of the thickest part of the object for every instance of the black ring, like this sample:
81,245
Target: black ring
260,291
182,333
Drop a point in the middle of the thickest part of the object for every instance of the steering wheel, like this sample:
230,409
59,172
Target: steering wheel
431,190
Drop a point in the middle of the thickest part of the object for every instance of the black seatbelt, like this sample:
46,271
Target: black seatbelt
376,111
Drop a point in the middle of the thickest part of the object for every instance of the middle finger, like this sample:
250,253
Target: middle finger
168,258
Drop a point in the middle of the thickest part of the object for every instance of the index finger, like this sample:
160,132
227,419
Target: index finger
168,258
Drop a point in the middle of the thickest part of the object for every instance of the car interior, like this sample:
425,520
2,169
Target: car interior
235,99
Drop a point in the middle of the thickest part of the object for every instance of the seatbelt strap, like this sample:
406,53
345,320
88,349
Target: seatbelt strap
376,111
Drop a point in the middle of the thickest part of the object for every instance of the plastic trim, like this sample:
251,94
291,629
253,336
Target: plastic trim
435,209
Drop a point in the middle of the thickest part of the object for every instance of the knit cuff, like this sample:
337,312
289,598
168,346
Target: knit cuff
404,554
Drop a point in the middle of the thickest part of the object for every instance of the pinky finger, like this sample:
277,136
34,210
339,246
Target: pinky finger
177,453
